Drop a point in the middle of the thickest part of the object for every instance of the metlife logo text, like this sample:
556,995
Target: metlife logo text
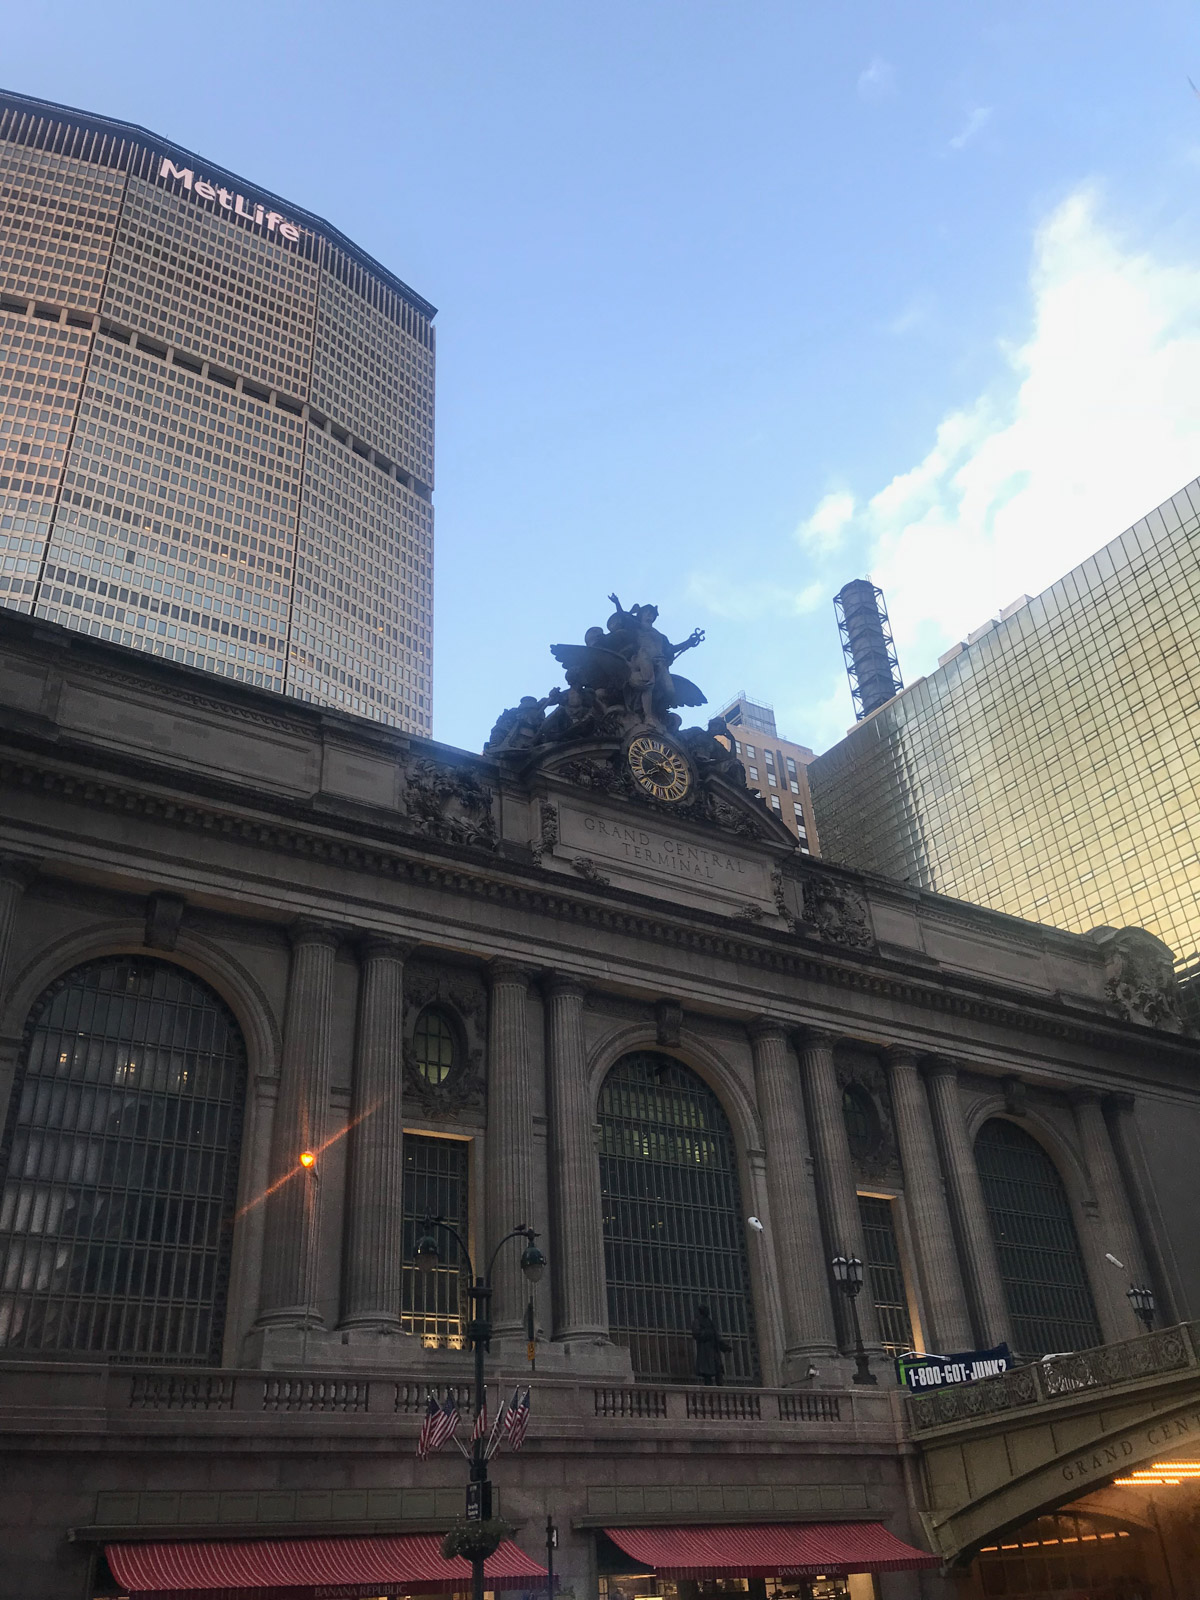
228,200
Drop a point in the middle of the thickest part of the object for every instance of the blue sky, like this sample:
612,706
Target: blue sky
737,301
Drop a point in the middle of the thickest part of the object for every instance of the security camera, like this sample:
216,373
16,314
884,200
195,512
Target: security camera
812,1371
755,1224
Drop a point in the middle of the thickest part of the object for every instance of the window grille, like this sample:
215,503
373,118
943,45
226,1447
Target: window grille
674,1236
433,1045
1041,1267
435,1185
120,1160
885,1274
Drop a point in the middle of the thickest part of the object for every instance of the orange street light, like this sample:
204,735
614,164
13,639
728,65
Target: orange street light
307,1158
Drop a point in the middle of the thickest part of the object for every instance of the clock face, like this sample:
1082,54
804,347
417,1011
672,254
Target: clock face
659,768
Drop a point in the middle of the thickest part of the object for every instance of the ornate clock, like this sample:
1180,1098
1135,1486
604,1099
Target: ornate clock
658,768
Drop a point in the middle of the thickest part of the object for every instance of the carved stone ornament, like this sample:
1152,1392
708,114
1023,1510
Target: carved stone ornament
838,912
668,1018
587,868
462,996
164,915
449,804
876,1156
1139,972
547,830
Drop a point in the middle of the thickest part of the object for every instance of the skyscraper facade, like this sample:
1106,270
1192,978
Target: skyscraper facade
1050,766
216,421
775,766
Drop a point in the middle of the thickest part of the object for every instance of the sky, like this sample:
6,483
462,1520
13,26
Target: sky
737,301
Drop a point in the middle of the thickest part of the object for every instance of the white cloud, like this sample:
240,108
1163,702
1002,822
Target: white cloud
877,80
976,122
1096,422
825,530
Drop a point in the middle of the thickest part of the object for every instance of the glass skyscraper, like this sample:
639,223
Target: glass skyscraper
216,421
1050,767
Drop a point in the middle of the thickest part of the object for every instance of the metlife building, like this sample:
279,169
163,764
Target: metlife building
216,421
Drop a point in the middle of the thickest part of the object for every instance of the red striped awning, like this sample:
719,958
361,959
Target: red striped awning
770,1550
294,1569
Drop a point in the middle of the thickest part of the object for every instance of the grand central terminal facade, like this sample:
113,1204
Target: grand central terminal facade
278,984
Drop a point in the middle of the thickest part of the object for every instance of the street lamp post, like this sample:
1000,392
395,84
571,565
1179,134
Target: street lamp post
479,1332
1141,1298
848,1274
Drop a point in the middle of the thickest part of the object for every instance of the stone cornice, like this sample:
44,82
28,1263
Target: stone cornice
293,828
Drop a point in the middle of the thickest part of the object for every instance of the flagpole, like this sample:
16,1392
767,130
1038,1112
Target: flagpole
479,1332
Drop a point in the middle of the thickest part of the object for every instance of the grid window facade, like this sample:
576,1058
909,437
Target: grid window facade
1037,1248
674,1236
885,1273
120,1166
435,1185
1050,769
57,222
216,442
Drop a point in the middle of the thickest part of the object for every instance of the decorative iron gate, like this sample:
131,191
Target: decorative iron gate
1041,1266
435,1184
120,1159
674,1230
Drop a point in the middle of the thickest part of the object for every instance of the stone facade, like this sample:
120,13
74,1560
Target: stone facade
329,879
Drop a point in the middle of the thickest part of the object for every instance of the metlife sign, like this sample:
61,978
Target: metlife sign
918,1373
250,211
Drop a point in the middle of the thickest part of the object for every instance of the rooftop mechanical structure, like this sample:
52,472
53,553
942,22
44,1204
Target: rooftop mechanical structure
866,635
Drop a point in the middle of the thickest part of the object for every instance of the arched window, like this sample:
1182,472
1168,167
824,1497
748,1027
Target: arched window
433,1045
674,1231
863,1131
120,1162
1045,1282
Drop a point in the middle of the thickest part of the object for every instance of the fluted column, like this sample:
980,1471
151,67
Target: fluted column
1153,1235
375,1176
290,1245
972,1226
578,1221
948,1322
16,874
834,1173
800,1263
1117,1234
509,1140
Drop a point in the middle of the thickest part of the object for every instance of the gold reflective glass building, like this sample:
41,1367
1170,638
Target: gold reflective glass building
1050,767
216,421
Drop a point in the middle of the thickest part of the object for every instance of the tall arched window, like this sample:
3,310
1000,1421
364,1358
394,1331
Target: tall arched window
674,1232
120,1161
1045,1281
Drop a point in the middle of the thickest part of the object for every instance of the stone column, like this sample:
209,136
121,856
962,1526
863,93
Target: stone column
509,1143
834,1173
972,1226
800,1265
578,1221
375,1177
1153,1233
948,1322
290,1245
1116,1233
16,874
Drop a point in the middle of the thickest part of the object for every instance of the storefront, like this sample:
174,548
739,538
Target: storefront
303,1569
764,1561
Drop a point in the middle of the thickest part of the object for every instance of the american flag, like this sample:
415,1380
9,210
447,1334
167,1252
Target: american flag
444,1425
425,1441
479,1431
518,1423
497,1433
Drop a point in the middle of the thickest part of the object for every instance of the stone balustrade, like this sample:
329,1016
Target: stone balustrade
41,1396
